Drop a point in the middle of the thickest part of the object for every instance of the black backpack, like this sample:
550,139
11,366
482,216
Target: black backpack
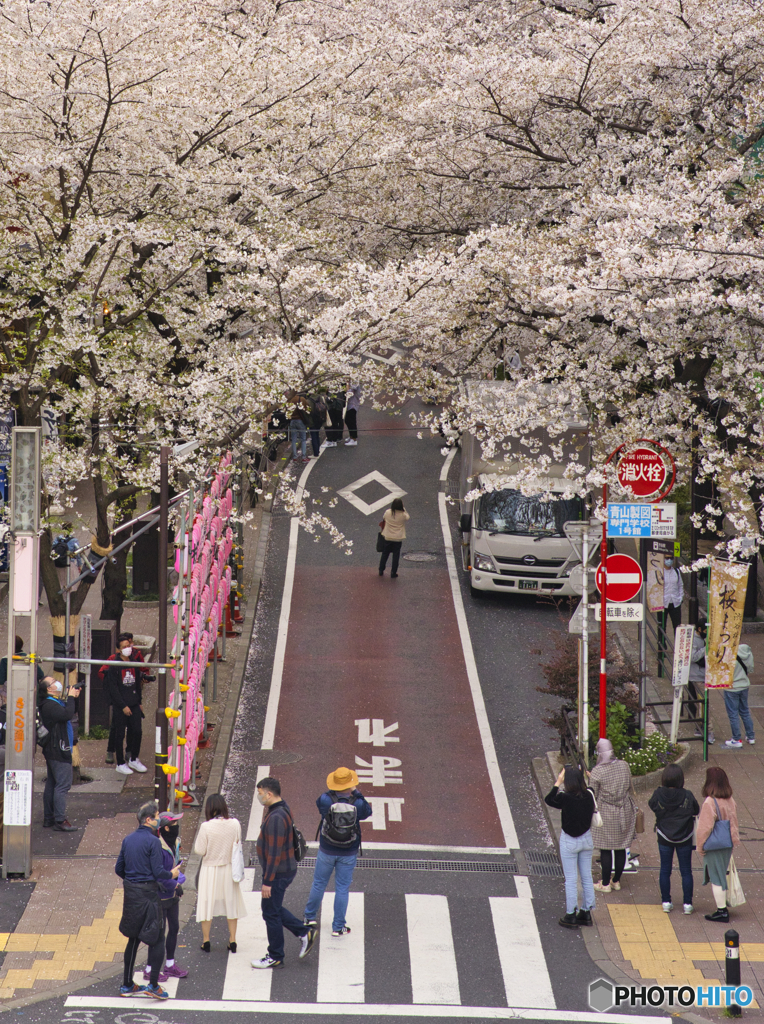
340,826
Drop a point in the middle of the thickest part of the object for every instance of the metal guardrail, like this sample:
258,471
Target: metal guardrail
569,747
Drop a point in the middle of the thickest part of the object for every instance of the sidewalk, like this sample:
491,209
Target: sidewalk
59,929
633,939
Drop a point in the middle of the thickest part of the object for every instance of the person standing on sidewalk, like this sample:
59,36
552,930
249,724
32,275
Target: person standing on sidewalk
275,852
577,805
393,527
610,781
170,892
718,805
317,416
697,678
124,687
736,699
140,867
217,893
675,810
56,715
298,413
351,414
342,809
335,405
124,640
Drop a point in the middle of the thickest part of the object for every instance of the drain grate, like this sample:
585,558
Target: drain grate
544,862
507,868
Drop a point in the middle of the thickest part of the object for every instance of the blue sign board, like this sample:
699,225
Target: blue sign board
629,520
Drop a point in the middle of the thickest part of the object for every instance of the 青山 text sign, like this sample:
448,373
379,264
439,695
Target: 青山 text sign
637,520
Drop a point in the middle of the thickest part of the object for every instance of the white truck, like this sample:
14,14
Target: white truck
513,542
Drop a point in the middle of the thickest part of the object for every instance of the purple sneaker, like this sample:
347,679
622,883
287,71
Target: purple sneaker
176,971
163,975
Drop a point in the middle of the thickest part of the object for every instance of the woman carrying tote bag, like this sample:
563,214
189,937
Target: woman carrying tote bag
717,836
217,892
610,780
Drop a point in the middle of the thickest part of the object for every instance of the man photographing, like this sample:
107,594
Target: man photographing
56,715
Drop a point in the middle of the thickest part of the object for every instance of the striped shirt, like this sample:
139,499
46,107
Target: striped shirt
275,844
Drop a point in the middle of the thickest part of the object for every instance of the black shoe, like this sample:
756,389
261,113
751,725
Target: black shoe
48,824
205,947
393,575
569,921
65,826
231,947
381,572
584,917
719,915
109,757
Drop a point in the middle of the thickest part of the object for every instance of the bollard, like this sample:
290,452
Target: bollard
732,967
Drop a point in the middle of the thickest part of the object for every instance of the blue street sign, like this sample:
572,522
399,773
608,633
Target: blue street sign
629,520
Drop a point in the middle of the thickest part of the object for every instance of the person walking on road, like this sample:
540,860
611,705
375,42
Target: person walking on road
393,527
610,780
125,689
217,893
56,715
275,852
736,699
141,868
342,808
697,679
170,891
351,414
577,805
675,810
718,805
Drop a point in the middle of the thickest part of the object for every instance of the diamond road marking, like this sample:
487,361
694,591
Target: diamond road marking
349,492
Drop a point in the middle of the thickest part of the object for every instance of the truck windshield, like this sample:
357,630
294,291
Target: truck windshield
512,512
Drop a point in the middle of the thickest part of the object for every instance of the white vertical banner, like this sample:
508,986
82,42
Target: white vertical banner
680,674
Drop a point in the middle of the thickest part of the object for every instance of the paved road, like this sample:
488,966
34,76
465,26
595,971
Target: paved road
432,698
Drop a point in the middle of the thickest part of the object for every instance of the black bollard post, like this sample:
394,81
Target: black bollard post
732,967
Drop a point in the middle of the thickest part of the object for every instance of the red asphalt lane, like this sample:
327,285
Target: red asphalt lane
363,647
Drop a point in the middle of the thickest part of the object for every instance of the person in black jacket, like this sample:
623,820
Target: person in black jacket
675,810
124,686
56,715
577,805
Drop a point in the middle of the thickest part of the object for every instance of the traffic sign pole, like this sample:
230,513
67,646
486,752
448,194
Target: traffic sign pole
603,623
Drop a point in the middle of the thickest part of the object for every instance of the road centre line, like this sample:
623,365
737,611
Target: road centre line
274,695
494,771
363,1010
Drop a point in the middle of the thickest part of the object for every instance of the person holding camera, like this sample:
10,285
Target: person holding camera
56,715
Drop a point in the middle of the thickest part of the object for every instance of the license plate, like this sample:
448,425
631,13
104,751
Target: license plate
528,585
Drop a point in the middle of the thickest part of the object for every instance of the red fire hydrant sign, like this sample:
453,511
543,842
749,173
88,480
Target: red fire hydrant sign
642,471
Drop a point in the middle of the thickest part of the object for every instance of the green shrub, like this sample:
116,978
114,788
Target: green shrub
655,753
97,732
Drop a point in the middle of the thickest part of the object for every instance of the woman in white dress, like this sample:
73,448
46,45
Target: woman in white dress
217,893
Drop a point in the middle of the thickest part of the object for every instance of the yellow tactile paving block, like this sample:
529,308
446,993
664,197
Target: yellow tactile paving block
94,943
648,941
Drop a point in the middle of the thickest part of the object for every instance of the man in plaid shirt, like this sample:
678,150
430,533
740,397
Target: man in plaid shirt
275,851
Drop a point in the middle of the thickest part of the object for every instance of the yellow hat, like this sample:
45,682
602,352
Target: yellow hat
342,779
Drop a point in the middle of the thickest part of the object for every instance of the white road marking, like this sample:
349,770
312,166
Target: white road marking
434,977
385,805
494,772
372,1010
348,493
242,981
341,968
447,465
170,986
519,943
423,848
523,886
269,729
256,810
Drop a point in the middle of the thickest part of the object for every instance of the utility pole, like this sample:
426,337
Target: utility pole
160,779
22,677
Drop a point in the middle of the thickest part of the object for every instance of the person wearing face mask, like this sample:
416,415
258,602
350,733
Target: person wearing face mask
124,687
56,715
673,595
170,891
141,867
123,640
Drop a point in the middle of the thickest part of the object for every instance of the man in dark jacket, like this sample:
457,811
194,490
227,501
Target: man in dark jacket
124,641
56,715
123,685
140,865
342,810
275,851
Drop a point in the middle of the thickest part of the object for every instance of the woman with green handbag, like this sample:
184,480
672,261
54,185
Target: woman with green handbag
717,836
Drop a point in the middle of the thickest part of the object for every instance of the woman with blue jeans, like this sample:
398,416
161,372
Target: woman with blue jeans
577,805
675,810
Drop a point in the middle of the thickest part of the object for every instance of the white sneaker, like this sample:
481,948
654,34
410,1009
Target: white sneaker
329,444
752,742
267,963
668,907
351,443
688,908
137,766
733,743
122,769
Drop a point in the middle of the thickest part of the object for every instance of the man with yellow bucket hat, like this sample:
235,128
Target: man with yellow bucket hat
342,810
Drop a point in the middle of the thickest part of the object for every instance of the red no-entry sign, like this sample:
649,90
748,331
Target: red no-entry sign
624,578
642,471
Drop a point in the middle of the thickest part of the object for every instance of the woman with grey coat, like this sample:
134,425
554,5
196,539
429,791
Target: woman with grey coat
610,779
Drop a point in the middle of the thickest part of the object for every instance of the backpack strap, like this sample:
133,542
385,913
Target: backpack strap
741,663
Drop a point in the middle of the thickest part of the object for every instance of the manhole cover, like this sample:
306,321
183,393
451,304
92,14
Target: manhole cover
420,556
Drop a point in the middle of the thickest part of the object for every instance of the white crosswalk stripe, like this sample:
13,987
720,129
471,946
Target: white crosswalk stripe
341,968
